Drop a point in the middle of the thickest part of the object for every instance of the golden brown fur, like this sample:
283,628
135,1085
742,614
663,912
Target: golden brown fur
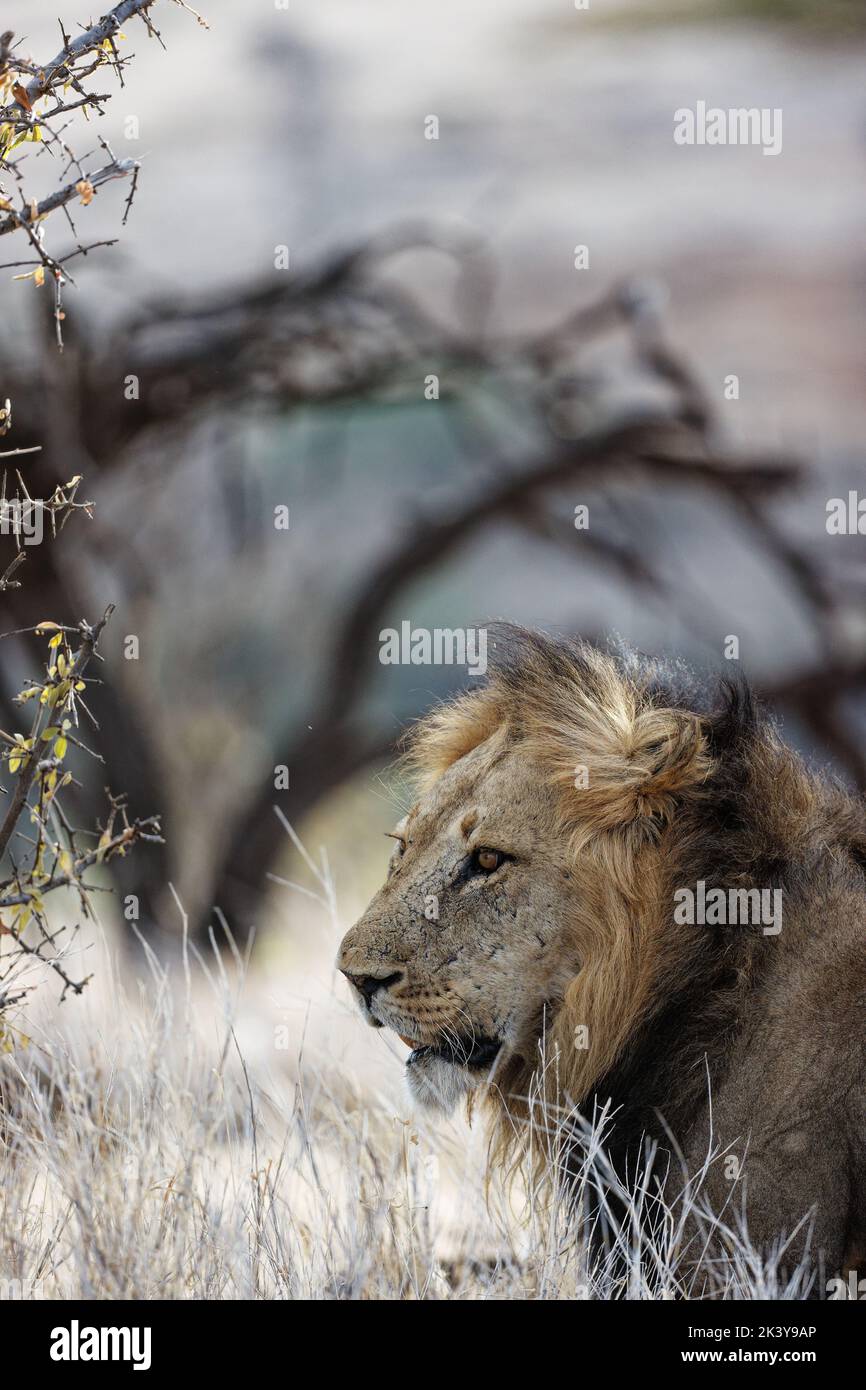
637,760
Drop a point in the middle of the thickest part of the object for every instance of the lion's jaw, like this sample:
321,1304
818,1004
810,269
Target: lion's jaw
465,966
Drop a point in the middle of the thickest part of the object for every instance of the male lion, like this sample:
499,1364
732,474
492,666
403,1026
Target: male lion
538,900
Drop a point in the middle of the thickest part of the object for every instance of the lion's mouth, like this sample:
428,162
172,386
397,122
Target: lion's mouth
477,1053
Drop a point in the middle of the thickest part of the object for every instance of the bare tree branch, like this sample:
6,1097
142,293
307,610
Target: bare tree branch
121,168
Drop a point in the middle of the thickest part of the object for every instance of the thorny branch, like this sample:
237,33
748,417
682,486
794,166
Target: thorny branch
21,512
49,855
32,102
57,690
52,856
30,215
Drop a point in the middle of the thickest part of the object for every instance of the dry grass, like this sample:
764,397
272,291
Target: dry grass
164,1146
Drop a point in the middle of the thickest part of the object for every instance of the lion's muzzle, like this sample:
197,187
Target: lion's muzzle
368,987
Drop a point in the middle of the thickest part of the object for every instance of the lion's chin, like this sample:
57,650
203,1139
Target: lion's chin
439,1085
438,1082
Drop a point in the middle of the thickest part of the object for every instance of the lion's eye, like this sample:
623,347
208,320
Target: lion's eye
487,860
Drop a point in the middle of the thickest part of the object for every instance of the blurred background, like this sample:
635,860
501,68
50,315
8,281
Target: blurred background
432,385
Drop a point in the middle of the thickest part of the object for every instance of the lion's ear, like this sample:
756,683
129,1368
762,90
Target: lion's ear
672,757
630,767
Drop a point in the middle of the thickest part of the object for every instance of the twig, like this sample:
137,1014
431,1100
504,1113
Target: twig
89,638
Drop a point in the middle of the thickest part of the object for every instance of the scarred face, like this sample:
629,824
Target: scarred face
468,943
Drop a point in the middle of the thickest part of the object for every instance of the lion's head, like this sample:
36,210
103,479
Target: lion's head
521,900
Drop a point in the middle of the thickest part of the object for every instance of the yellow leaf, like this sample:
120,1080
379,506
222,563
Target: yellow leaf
60,746
18,140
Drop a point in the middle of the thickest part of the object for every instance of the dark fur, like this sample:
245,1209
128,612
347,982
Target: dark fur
771,1027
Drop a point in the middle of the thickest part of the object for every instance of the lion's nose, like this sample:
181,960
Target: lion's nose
367,985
